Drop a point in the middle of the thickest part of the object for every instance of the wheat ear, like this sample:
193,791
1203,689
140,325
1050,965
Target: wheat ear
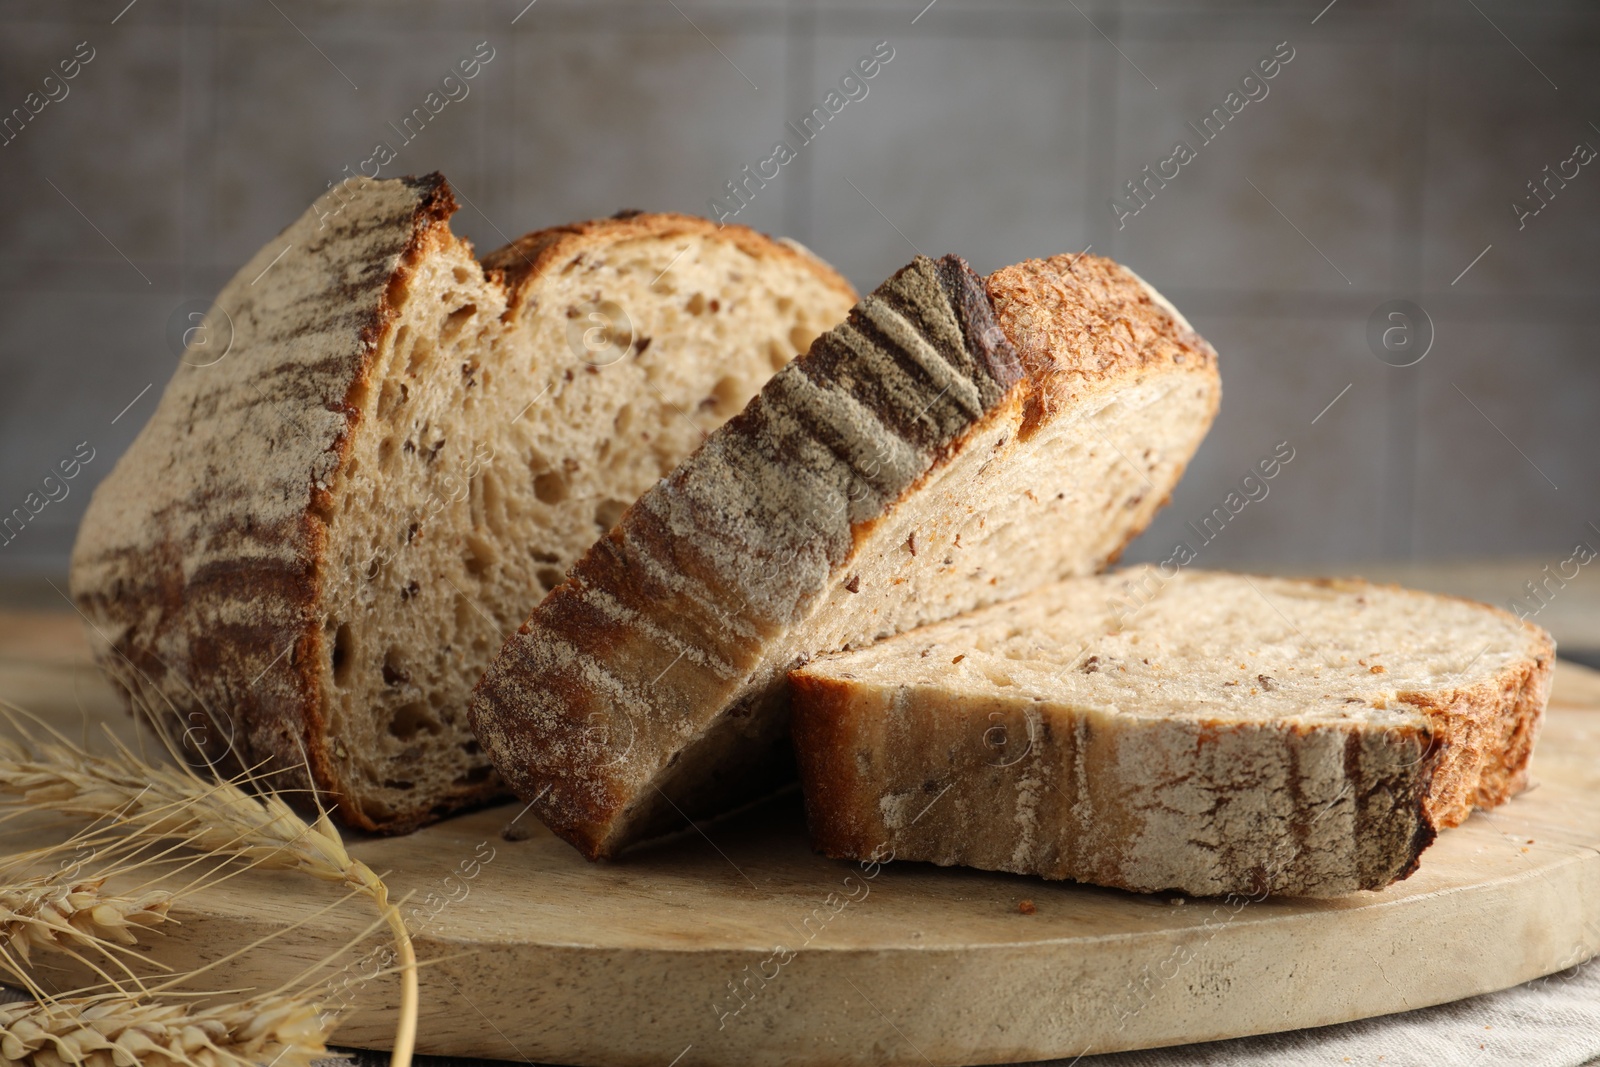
217,816
42,913
117,1030
122,1029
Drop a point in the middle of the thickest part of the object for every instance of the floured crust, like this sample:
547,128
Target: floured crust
648,687
204,561
198,562
1139,786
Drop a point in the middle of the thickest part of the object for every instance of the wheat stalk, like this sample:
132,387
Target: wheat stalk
118,1030
217,816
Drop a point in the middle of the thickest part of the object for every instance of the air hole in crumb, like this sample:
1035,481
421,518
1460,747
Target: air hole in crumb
460,274
394,671
801,336
388,398
549,577
725,396
624,419
696,305
344,650
398,783
411,719
550,487
493,508
777,355
608,512
419,356
479,556
457,319
784,303
475,775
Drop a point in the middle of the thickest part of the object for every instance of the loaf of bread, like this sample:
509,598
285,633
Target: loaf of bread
952,444
324,534
1200,732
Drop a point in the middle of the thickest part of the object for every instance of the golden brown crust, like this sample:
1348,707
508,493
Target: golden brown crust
1085,305
1485,734
823,736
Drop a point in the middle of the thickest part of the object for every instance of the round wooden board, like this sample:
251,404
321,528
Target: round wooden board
734,944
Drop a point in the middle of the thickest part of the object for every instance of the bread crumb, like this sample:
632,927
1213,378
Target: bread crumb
515,832
959,658
854,584
1026,907
1379,669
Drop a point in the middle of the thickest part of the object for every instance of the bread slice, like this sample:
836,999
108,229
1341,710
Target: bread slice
945,447
320,540
1200,732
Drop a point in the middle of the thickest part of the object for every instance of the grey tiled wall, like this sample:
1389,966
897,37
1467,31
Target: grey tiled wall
1382,161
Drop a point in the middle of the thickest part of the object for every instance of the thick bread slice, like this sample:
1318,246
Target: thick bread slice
320,540
934,453
1201,732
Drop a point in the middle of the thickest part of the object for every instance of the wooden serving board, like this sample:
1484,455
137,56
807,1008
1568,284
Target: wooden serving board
734,944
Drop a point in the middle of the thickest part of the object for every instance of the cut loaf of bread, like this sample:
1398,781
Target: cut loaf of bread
945,447
322,537
1201,732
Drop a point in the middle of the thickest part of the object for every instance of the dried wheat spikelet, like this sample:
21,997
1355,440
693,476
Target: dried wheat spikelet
70,909
218,817
115,1030
45,913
